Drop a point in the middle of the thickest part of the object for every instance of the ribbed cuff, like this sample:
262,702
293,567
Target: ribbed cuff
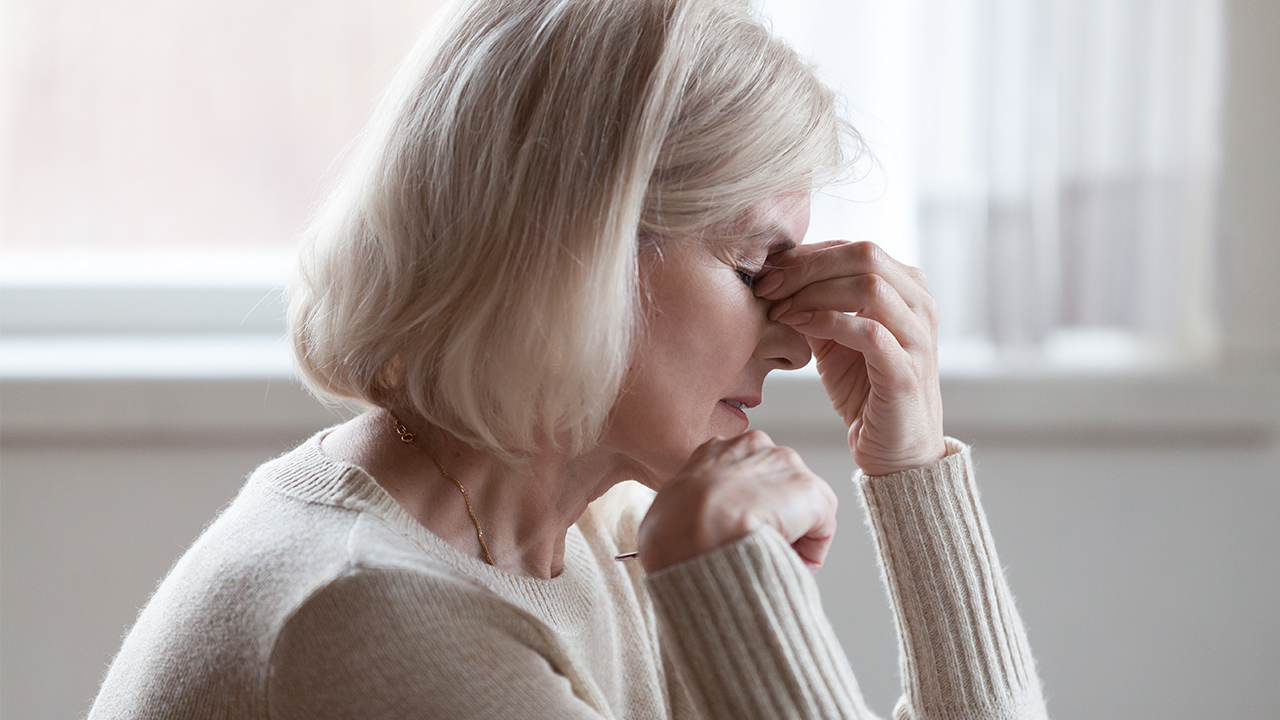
745,627
964,653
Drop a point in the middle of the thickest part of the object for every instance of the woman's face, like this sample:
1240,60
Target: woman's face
707,343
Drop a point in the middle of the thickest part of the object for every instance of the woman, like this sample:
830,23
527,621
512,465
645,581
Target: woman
565,257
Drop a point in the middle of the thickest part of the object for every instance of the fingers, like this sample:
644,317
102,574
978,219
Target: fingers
729,489
884,354
812,532
790,498
872,325
869,296
815,262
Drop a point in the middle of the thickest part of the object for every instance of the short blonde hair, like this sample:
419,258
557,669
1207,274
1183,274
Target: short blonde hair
478,260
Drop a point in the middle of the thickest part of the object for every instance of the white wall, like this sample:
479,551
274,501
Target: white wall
1136,518
87,532
1145,567
1147,577
1251,217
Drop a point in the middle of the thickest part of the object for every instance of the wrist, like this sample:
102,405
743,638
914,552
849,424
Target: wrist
878,466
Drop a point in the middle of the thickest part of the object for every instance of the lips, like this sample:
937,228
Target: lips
739,405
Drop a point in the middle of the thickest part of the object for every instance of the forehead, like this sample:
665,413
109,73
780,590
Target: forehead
779,223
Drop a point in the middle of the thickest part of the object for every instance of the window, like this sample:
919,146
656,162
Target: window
159,160
1051,164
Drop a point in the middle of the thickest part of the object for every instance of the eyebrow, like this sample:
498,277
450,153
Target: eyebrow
784,240
781,243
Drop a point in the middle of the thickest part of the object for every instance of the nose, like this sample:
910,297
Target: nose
783,347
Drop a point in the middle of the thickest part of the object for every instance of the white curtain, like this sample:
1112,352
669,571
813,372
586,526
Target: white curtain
1050,163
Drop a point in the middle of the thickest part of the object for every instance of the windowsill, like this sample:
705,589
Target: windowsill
78,358
1199,407
237,387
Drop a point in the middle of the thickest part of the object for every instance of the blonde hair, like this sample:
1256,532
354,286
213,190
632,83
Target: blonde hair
478,261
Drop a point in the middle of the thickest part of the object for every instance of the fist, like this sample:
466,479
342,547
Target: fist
728,489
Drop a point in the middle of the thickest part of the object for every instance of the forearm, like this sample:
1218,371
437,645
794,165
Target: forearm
964,652
745,628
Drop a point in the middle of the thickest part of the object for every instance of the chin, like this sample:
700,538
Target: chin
660,468
657,459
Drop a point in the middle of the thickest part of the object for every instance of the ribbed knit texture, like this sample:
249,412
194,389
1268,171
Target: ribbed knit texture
316,596
748,616
963,651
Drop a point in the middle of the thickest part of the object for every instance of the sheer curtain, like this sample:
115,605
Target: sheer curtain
1050,163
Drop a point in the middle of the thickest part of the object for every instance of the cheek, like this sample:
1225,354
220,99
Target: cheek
703,340
688,362
701,332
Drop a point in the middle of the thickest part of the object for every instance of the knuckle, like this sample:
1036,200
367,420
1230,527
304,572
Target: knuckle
787,455
874,333
824,494
918,275
868,285
929,307
880,288
867,251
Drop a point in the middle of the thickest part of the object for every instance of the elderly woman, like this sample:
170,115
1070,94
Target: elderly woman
564,258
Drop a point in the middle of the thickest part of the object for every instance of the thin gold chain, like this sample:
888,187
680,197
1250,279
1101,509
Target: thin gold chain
411,438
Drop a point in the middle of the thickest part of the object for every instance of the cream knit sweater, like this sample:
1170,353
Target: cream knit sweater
315,595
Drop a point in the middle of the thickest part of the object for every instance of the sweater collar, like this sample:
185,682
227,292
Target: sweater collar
307,474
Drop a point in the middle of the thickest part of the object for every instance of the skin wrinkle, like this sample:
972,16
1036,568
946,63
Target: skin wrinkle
708,337
514,155
707,341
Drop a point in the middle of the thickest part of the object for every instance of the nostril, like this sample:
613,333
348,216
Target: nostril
783,347
794,360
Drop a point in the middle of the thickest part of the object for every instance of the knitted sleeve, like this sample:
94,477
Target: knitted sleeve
747,631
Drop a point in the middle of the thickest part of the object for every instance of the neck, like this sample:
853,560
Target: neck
524,511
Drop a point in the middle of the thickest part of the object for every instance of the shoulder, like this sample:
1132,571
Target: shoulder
203,636
406,637
406,627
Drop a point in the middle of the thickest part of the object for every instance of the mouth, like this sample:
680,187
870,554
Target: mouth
738,406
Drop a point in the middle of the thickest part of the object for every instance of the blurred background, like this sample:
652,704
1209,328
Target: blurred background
1091,186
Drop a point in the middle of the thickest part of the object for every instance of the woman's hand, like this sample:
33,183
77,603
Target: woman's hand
873,328
728,489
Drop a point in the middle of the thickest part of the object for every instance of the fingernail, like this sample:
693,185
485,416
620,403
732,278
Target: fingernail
796,318
769,283
779,309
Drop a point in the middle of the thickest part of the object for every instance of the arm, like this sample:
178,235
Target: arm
962,647
746,628
872,327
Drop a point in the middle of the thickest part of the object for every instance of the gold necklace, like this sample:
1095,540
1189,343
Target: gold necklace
410,438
